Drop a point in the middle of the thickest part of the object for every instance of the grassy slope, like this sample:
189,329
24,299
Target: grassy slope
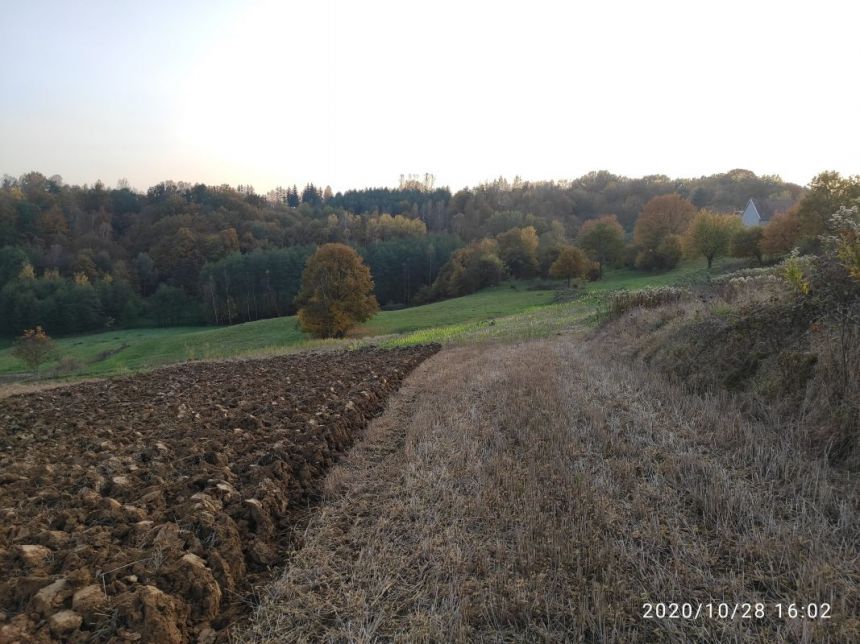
508,311
145,348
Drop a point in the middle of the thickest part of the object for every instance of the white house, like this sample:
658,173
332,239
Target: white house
751,216
760,211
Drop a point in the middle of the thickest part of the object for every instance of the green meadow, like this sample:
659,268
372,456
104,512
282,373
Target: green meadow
512,310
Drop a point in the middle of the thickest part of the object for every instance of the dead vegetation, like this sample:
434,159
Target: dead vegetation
785,342
544,491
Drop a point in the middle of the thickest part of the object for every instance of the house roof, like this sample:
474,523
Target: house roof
767,208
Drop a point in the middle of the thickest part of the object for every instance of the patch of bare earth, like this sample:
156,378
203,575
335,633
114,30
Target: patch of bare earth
144,508
543,492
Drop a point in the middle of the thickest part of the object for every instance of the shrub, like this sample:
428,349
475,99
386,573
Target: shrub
793,271
845,240
665,257
620,302
34,348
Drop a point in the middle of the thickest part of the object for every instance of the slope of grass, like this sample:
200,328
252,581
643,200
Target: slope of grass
136,349
510,311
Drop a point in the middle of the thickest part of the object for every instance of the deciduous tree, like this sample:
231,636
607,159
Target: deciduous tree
663,216
337,292
571,263
603,240
518,250
781,234
34,347
747,243
826,193
710,233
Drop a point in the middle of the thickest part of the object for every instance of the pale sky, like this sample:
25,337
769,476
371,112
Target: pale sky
354,93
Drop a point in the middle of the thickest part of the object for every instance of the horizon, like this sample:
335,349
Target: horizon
268,95
394,186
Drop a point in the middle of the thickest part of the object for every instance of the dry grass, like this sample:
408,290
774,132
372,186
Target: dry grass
18,388
542,492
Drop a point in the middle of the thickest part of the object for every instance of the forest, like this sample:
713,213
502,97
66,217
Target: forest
84,258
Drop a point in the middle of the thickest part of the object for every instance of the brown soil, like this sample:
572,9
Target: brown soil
140,509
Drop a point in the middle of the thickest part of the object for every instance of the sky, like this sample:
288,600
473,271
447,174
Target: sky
353,94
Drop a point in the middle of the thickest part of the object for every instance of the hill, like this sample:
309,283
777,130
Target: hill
513,308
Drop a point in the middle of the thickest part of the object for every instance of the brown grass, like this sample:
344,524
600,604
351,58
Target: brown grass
17,388
544,492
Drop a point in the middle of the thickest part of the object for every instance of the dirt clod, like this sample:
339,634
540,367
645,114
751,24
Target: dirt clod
34,556
131,509
64,623
89,600
50,597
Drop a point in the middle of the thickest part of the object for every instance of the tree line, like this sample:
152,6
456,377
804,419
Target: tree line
182,253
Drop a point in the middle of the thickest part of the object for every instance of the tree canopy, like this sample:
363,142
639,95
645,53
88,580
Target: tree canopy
336,293
710,234
603,240
571,263
220,251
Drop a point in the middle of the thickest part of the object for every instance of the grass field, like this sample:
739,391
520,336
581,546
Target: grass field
509,311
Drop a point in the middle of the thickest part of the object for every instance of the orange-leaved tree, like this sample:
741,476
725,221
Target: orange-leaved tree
571,262
336,293
663,216
34,347
661,222
781,234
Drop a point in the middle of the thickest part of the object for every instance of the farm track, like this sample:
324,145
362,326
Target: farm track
142,508
544,492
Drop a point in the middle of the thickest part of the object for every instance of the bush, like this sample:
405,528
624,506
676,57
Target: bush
665,257
620,302
34,348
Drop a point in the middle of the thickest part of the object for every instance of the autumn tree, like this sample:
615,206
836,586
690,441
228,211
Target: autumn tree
827,192
661,222
34,348
384,226
518,250
470,269
603,240
572,262
663,216
710,233
336,293
746,242
781,234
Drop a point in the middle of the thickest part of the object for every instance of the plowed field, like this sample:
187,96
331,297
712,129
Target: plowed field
140,509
